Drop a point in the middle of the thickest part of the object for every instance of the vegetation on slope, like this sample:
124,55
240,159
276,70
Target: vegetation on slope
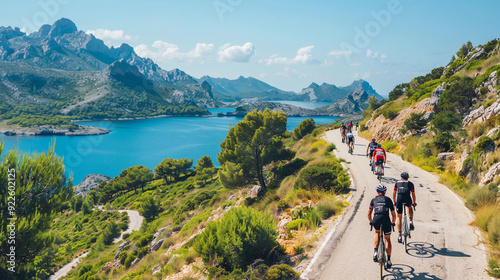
467,86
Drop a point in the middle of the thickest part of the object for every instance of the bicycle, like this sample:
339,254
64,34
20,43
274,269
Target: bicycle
405,227
381,253
351,147
379,172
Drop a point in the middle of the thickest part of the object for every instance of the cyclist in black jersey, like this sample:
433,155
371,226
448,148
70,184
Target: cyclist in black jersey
404,192
343,129
371,147
380,206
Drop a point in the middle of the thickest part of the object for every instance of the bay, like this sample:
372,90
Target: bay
304,104
138,142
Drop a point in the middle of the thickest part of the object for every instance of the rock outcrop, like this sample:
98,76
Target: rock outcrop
491,175
389,130
89,183
481,114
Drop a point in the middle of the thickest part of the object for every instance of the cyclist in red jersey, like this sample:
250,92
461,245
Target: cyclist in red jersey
379,157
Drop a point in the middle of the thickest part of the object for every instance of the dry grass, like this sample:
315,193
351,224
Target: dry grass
484,214
286,186
476,130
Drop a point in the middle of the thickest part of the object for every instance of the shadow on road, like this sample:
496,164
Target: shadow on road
402,271
426,250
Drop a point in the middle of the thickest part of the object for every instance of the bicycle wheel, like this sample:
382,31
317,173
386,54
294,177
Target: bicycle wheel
379,173
405,230
381,253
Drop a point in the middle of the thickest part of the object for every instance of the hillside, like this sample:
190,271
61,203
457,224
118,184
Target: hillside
448,122
61,71
301,194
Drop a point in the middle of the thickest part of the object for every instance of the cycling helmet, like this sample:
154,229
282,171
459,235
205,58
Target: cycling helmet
405,175
381,188
380,146
373,139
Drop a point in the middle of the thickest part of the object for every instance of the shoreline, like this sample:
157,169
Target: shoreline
54,131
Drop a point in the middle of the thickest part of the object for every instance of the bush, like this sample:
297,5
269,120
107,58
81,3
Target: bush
281,271
330,207
305,127
444,142
240,237
481,196
484,215
145,240
296,224
489,103
415,122
388,146
313,217
390,113
330,147
446,121
287,169
330,177
282,204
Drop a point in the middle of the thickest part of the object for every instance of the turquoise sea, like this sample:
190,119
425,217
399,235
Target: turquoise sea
138,142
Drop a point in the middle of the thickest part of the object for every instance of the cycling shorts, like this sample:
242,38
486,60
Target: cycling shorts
383,220
379,162
402,199
371,152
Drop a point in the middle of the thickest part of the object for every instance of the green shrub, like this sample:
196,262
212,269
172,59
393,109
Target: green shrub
329,176
483,90
129,260
415,122
489,103
313,216
287,169
280,272
145,240
330,207
389,145
240,237
481,196
305,127
330,147
282,204
296,224
390,113
446,121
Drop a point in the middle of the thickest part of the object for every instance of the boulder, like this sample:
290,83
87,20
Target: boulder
120,249
135,261
445,156
254,191
435,95
491,175
157,245
89,183
492,131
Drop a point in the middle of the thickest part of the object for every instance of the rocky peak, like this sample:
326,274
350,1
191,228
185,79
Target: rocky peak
61,27
314,85
208,88
7,33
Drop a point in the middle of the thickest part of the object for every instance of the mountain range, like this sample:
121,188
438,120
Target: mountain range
76,74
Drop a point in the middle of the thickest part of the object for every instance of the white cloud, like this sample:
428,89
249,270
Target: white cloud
289,72
228,53
339,53
326,63
110,36
366,75
382,58
169,51
303,56
370,53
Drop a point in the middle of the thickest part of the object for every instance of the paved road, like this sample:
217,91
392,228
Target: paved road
443,245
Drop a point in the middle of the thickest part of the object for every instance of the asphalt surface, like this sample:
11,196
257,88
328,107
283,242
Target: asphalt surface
443,245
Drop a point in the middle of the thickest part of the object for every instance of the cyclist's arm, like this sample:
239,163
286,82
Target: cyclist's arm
393,213
394,194
414,198
370,210
385,156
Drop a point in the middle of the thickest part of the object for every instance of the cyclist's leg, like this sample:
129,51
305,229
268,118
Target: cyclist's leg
399,211
387,237
375,238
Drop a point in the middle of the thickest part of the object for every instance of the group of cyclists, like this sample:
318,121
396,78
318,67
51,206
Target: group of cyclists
381,206
383,214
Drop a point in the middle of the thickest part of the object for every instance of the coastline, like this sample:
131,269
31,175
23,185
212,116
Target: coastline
48,130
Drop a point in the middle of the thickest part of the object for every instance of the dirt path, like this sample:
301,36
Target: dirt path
135,222
443,245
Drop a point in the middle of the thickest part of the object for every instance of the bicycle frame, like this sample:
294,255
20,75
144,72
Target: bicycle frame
381,253
405,227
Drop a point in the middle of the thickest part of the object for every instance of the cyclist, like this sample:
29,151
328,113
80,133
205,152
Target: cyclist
405,191
349,127
357,125
380,206
371,147
350,139
379,157
343,129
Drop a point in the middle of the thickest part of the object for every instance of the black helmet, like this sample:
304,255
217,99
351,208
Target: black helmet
381,188
373,139
405,175
379,145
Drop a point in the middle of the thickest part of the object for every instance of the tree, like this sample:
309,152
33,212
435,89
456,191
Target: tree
39,187
204,162
238,239
446,121
254,142
305,127
171,168
415,122
136,177
457,97
150,209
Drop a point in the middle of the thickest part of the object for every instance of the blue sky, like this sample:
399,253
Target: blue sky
288,44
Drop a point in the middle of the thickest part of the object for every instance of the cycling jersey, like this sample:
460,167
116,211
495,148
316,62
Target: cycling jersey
381,206
379,154
404,189
349,135
372,145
